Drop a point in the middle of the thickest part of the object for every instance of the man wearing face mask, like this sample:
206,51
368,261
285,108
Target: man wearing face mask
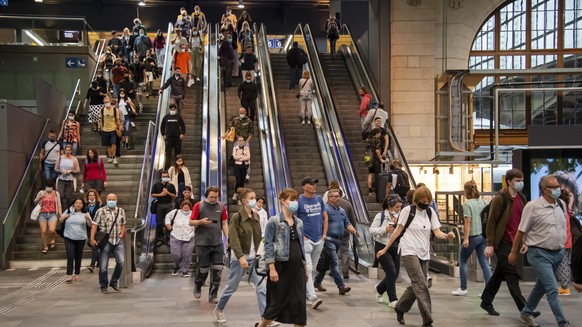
502,224
247,93
178,84
110,219
117,76
542,231
182,61
164,192
211,221
173,129
225,58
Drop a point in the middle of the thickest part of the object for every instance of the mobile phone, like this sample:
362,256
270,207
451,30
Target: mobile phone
215,221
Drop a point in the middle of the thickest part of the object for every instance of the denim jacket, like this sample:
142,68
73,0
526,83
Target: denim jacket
277,237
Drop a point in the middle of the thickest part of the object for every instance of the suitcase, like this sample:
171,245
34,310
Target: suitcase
382,179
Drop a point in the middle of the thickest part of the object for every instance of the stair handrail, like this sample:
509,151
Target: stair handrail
156,161
349,179
275,166
358,71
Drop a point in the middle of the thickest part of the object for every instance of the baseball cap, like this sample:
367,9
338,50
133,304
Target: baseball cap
309,180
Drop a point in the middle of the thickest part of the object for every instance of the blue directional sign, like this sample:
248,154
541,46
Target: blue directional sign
74,62
275,43
3,3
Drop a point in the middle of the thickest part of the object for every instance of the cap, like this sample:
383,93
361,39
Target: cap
309,180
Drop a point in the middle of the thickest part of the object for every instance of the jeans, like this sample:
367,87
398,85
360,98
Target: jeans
295,76
119,252
331,246
116,88
160,56
418,290
504,271
545,264
390,263
74,146
312,252
234,277
74,249
49,171
332,46
127,125
476,243
181,253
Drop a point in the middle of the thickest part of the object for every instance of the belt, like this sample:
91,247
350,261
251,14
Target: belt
547,250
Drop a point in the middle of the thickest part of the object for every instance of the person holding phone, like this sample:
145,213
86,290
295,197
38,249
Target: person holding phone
381,229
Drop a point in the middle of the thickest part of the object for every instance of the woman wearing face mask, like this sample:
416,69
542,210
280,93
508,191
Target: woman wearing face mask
181,237
94,175
127,109
93,203
107,62
248,93
95,96
420,219
244,235
197,46
230,17
245,36
76,222
50,210
71,133
242,158
381,229
67,166
127,43
159,45
179,175
284,256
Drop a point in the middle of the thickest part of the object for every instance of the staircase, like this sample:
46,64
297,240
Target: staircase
256,181
122,179
347,104
191,150
301,145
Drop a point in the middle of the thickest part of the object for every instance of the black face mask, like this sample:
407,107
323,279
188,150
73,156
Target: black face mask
391,167
422,206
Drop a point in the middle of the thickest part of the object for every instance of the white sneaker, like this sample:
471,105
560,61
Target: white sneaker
273,324
235,196
460,292
315,304
197,79
379,297
309,122
527,320
219,315
132,124
393,304
429,281
303,122
115,161
109,159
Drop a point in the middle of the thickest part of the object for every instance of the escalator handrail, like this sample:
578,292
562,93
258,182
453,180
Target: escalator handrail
222,166
361,69
100,48
205,154
349,179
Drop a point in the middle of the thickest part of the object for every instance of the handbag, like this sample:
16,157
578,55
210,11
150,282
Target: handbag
35,212
154,206
231,161
298,95
102,238
61,229
231,134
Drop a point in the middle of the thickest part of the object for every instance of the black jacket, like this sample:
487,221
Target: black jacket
178,86
296,57
172,126
247,90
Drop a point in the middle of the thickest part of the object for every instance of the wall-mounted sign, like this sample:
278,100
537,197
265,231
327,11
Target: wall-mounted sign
75,62
275,43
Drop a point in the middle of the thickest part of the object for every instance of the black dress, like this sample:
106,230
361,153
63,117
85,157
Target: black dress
286,298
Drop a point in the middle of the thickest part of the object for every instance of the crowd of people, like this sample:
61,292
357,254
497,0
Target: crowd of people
311,234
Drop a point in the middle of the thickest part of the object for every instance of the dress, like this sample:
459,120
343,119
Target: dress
95,104
286,298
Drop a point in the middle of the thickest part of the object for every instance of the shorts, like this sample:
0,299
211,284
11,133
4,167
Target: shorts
108,138
375,168
47,217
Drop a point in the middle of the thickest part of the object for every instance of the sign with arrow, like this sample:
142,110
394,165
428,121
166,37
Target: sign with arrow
74,62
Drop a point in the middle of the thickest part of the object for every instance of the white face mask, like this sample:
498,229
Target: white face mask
247,81
182,50
91,201
172,112
71,117
242,116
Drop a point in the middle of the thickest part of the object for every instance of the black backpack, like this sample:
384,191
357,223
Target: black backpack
332,29
402,183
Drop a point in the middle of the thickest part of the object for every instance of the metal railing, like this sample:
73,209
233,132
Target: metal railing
275,165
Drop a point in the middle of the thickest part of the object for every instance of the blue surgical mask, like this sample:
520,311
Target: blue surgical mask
252,203
111,204
165,179
556,192
187,212
293,206
518,186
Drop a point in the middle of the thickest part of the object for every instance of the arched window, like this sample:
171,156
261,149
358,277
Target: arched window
530,35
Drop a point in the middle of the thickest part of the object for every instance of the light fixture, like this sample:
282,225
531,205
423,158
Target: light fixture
141,3
34,37
241,4
436,171
38,0
420,170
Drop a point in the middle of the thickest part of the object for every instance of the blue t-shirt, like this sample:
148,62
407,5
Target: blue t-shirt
311,213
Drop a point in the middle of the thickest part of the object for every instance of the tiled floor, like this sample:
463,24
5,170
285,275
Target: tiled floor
40,298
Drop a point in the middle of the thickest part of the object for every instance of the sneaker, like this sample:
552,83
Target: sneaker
527,320
346,276
197,292
489,308
275,324
379,297
393,304
429,281
219,315
104,290
91,268
213,300
308,122
133,124
197,79
303,122
399,316
315,304
175,271
564,291
247,178
109,159
115,161
460,292
344,290
115,288
235,197
185,274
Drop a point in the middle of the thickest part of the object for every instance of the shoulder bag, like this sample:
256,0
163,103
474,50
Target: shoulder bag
102,238
298,95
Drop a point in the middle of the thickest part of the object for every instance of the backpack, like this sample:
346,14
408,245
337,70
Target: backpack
402,183
484,214
301,57
332,29
373,104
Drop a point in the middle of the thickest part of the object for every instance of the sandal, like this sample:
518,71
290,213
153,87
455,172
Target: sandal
69,279
77,278
44,251
53,245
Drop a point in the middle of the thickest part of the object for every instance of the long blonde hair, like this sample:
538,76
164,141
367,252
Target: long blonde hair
471,190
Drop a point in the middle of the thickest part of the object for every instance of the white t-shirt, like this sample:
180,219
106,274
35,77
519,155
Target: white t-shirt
263,219
416,240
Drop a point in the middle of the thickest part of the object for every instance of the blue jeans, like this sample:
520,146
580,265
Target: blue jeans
479,244
119,253
295,76
116,88
545,264
331,246
49,171
74,146
234,276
